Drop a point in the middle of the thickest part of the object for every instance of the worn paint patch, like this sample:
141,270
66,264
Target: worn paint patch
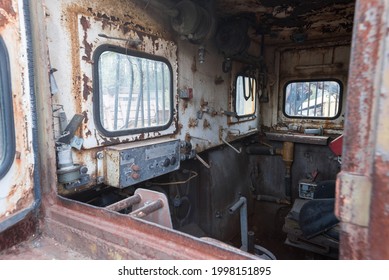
87,46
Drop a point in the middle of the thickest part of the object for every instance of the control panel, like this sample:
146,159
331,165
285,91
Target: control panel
307,189
129,164
317,190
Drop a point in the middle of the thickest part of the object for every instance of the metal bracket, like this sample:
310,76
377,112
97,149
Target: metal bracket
100,167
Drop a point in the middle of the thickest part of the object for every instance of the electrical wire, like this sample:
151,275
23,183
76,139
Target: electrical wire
194,175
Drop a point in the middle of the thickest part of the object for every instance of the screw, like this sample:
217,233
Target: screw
99,155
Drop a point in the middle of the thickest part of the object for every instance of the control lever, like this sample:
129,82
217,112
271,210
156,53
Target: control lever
70,130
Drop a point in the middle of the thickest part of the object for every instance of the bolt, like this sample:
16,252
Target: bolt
83,169
100,180
99,155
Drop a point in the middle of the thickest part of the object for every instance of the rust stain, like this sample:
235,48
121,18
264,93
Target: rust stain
179,128
7,12
87,46
206,124
110,141
192,122
87,88
86,118
194,64
379,217
354,242
70,17
18,233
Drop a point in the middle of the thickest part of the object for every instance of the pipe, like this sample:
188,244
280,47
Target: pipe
232,147
125,203
287,157
270,198
251,242
241,204
166,8
147,209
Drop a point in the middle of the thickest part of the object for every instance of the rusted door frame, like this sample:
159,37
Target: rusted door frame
363,184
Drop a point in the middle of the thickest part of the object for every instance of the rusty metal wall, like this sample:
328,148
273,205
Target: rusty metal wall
305,61
219,188
17,187
73,28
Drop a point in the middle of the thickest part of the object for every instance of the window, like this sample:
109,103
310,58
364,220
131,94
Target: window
313,99
133,92
246,88
7,130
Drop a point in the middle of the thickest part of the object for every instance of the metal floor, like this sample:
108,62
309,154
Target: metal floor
40,248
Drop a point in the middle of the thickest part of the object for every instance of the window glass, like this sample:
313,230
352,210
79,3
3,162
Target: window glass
135,93
313,99
7,131
246,88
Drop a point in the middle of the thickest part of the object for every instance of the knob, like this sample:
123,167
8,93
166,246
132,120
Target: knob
135,176
135,167
166,162
173,161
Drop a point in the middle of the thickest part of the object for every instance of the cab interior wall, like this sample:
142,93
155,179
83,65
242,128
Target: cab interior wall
199,194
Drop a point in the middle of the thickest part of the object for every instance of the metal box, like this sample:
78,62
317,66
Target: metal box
129,164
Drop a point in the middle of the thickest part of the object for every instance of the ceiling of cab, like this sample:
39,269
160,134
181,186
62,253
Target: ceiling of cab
293,20
279,21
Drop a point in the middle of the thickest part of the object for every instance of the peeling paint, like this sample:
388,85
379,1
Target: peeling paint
87,89
7,13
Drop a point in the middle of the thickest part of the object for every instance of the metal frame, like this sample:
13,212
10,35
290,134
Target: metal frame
253,115
96,90
7,111
313,80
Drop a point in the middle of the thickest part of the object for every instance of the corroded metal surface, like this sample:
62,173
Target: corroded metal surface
379,223
117,236
18,233
365,150
280,19
16,187
297,138
365,60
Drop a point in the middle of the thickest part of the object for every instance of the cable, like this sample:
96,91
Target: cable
195,174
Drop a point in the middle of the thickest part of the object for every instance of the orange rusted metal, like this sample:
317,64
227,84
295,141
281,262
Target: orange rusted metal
17,186
366,122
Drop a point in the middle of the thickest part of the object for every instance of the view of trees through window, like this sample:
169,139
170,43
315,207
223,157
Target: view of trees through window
134,92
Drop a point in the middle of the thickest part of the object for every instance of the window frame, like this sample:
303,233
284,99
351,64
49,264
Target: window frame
341,87
7,113
96,90
247,116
